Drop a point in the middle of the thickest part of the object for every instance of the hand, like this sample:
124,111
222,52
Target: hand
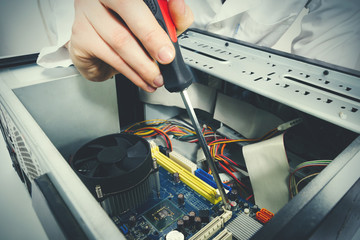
122,36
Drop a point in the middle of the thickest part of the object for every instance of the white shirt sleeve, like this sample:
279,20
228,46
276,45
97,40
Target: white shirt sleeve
331,33
59,24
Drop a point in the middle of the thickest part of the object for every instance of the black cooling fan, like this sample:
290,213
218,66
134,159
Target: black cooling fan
116,169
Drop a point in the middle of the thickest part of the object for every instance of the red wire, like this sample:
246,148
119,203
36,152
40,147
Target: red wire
231,174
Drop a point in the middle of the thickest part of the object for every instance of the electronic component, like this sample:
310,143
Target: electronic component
181,199
189,179
243,227
197,220
183,161
176,177
163,214
192,216
204,214
264,215
175,235
116,169
209,179
212,227
223,235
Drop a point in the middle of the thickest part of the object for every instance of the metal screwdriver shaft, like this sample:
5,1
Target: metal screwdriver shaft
204,146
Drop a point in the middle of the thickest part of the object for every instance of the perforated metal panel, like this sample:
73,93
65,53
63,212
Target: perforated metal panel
324,91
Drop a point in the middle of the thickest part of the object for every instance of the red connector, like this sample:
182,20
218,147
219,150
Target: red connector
264,215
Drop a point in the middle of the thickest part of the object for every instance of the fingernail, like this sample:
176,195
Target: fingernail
159,81
166,54
150,89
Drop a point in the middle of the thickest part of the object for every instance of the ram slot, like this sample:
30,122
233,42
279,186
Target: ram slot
186,177
212,227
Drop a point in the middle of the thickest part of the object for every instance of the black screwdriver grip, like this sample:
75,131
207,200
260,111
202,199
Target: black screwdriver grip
177,76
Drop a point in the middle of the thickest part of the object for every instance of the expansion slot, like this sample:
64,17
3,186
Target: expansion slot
183,161
186,177
209,179
223,235
212,227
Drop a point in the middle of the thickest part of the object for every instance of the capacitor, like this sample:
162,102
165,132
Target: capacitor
204,214
197,221
146,229
255,208
191,215
132,221
180,225
176,177
245,205
186,220
233,205
233,196
246,210
175,235
181,199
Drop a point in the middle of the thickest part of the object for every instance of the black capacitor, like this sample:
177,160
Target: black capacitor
132,221
146,229
176,177
192,216
255,208
197,221
186,220
181,199
233,196
246,205
180,225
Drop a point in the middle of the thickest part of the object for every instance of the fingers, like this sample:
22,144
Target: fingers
95,59
145,27
181,14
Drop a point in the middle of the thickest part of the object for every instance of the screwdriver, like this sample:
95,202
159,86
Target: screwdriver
177,78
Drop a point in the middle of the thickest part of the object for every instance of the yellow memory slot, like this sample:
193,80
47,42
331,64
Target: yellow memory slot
186,177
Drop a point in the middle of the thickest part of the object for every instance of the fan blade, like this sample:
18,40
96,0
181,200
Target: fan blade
97,146
92,172
109,170
138,150
121,141
129,163
83,160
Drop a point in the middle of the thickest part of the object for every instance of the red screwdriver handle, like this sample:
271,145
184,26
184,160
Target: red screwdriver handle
177,76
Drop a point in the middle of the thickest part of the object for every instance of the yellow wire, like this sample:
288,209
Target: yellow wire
146,121
309,176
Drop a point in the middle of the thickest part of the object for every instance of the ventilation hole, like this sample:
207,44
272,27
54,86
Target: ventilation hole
242,58
190,60
271,73
273,65
251,73
236,56
277,84
268,63
306,93
243,71
301,73
329,101
217,50
268,79
257,79
196,62
327,82
297,91
290,70
318,98
226,44
342,107
348,89
269,56
354,110
286,85
340,85
223,52
204,65
307,76
201,44
210,67
320,79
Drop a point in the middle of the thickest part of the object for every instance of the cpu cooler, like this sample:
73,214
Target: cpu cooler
116,169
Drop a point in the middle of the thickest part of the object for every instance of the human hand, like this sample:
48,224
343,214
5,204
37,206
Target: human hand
103,44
